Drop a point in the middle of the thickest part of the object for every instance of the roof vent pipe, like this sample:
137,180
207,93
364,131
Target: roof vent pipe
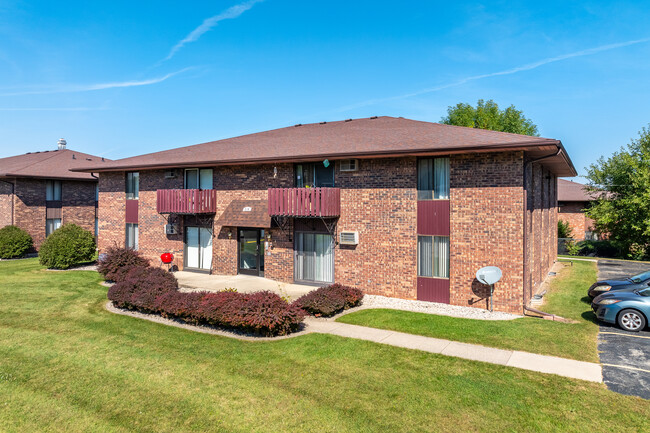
61,143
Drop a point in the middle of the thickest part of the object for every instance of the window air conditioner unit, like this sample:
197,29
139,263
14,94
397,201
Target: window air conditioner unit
170,174
349,238
170,229
349,164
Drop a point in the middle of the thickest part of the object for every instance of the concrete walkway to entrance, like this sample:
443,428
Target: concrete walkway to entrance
195,281
510,358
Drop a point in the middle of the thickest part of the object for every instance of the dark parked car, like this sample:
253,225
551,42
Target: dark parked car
629,308
640,281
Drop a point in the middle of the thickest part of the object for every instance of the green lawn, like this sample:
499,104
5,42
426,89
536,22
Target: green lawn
68,365
566,298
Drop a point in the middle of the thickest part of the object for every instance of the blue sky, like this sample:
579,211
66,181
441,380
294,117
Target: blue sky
124,78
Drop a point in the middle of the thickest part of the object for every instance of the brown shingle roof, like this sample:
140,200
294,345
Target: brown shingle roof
246,213
572,191
54,164
378,136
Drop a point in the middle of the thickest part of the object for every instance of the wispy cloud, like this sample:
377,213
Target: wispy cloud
517,69
207,25
73,88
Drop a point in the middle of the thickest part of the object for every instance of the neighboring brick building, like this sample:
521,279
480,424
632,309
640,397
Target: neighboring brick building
38,193
393,206
573,200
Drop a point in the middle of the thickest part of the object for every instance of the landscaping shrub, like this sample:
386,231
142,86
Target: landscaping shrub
140,288
329,300
67,246
602,248
154,290
112,264
564,230
184,306
14,242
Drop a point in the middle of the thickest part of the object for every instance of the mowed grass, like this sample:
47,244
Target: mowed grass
567,297
68,365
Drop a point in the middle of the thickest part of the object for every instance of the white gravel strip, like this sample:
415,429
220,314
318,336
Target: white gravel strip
91,267
375,301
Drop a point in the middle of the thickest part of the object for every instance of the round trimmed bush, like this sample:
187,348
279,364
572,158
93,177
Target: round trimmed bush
14,242
67,246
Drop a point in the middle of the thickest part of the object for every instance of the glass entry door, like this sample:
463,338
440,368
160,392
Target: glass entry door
314,257
251,252
198,248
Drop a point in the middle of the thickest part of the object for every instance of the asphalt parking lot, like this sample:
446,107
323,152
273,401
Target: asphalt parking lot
625,356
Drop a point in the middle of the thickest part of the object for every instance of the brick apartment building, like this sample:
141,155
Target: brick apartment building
573,200
393,206
38,192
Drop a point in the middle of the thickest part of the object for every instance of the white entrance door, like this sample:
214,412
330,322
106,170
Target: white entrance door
198,248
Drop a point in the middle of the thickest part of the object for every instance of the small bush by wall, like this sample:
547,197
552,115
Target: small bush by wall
14,242
114,263
327,301
67,246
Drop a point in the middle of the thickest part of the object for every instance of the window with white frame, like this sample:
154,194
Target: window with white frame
433,179
433,256
132,186
131,240
53,190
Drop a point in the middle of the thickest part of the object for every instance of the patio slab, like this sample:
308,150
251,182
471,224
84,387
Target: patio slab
194,281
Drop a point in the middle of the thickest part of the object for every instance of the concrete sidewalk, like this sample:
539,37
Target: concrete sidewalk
511,358
243,283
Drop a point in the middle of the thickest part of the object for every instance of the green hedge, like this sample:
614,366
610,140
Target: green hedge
67,246
14,242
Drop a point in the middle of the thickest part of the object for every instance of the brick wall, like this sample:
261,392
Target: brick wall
380,202
77,200
252,182
486,205
111,210
541,225
6,203
78,204
29,210
573,212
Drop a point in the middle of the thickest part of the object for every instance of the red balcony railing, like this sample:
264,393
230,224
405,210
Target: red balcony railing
186,201
305,202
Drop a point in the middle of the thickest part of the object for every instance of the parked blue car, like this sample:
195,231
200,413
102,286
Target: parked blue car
629,309
640,281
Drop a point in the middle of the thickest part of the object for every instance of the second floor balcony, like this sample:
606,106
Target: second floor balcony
186,201
305,202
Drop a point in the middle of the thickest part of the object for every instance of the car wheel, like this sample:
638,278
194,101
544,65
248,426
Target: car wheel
631,320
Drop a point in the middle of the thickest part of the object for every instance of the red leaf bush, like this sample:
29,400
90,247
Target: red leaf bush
329,300
112,263
153,290
140,287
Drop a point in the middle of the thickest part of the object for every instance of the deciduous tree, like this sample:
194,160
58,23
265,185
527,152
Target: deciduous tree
487,115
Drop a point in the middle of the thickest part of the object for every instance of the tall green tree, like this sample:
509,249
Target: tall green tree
487,115
624,212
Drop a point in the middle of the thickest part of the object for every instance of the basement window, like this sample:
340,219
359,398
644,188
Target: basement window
433,256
